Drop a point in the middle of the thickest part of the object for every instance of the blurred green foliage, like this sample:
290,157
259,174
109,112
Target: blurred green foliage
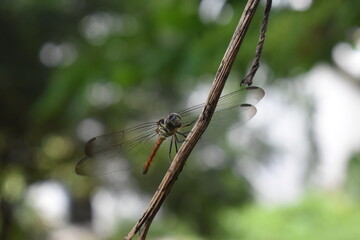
150,53
316,217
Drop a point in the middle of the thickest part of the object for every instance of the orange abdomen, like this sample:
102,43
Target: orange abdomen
152,155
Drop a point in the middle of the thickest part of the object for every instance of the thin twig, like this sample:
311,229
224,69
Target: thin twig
255,64
200,126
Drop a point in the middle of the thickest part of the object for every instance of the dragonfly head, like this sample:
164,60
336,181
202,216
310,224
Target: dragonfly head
173,121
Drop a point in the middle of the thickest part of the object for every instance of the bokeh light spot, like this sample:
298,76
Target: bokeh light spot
56,147
210,10
89,128
348,58
102,94
98,26
52,55
51,201
13,186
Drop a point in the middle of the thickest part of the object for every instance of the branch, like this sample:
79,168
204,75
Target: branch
255,64
179,160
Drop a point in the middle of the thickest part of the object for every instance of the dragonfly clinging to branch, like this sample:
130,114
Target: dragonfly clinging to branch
104,154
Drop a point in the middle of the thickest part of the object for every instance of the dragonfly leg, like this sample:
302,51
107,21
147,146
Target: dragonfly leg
171,143
189,124
182,134
175,142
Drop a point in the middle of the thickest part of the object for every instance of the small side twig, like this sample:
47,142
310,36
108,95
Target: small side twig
255,64
179,160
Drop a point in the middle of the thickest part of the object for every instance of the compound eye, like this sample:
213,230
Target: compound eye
174,116
175,120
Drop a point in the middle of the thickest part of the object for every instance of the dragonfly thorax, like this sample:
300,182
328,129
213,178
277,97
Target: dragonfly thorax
168,126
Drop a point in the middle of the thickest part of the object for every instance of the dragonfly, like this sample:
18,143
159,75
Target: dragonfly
105,154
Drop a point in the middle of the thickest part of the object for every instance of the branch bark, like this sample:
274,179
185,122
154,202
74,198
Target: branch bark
200,126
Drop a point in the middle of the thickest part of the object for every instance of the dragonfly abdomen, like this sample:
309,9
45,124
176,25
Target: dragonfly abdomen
152,155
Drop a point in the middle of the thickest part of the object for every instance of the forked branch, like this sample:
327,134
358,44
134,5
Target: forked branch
178,162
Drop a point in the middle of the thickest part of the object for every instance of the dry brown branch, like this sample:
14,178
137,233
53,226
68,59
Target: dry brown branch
179,161
256,62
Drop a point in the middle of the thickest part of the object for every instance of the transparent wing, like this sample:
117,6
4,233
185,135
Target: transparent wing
229,106
105,154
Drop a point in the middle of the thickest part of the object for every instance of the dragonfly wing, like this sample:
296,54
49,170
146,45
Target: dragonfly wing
232,117
105,154
250,95
242,100
222,119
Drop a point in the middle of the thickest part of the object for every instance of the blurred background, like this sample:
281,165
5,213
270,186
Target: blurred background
72,70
